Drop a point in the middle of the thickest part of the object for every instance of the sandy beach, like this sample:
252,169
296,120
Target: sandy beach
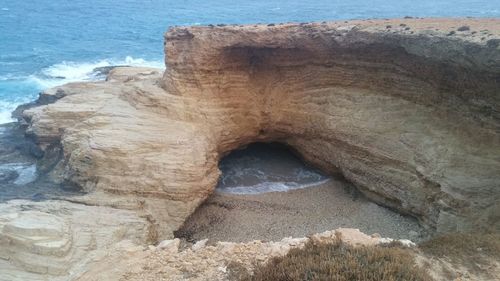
297,213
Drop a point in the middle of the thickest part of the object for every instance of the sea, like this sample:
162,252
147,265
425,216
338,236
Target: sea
45,43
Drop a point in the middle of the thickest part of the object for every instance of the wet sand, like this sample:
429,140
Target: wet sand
297,213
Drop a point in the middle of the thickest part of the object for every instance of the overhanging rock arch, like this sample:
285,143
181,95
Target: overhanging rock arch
412,120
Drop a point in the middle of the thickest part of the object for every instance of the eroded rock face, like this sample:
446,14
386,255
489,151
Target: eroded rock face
58,240
404,109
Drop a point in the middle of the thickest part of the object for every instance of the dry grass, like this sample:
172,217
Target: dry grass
341,262
469,249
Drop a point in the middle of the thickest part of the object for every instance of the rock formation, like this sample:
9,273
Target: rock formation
405,109
201,262
56,240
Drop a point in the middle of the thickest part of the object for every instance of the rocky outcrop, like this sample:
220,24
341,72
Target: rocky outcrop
57,240
219,261
407,110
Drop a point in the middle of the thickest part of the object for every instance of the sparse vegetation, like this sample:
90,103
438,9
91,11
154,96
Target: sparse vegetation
341,262
236,271
470,250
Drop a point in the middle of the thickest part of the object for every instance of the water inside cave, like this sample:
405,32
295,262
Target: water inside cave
267,192
266,167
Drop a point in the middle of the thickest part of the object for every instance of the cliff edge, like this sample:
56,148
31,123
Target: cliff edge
405,109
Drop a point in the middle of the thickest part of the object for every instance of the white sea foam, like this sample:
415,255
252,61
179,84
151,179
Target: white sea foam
5,115
6,109
27,172
66,72
62,73
8,77
268,187
260,169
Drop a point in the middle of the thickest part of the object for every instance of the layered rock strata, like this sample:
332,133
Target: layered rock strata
406,109
58,240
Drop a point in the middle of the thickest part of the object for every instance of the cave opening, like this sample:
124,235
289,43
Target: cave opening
266,167
267,192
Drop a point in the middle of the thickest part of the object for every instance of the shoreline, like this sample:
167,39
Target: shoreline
297,213
143,147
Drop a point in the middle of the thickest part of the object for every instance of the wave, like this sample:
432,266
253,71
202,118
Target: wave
66,72
16,90
26,172
254,174
10,77
266,187
6,111
7,107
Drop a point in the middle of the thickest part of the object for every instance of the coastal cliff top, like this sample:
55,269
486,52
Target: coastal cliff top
478,30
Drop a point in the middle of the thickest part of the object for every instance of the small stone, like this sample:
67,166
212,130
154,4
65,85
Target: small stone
406,243
170,245
199,245
385,240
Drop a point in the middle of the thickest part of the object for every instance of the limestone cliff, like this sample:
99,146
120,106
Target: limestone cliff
406,109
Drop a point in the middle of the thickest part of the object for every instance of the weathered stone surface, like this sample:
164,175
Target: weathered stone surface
410,116
57,240
209,262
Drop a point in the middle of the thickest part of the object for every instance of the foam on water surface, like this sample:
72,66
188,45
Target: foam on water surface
262,168
16,90
49,43
26,172
66,72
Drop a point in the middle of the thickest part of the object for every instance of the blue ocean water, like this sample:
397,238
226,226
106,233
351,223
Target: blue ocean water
44,43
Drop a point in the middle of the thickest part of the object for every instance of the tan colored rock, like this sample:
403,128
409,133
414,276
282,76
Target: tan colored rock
58,240
410,116
169,245
213,262
348,235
